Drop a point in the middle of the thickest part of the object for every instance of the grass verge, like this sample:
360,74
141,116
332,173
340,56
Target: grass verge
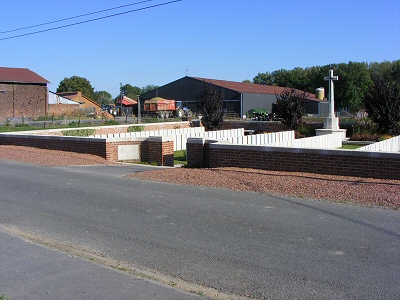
180,157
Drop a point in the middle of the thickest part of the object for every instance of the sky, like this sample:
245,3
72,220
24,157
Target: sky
162,41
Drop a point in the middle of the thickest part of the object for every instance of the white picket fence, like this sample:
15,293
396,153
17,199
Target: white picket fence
327,141
236,136
264,138
163,132
179,135
389,145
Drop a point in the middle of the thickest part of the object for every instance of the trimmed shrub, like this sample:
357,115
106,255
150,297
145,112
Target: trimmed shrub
137,128
78,132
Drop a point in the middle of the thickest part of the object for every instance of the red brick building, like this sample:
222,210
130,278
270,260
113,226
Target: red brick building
23,93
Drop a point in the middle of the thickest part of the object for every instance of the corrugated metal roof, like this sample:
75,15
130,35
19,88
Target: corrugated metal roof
252,88
20,75
128,101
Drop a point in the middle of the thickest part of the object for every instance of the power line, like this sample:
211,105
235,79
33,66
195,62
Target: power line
91,20
70,18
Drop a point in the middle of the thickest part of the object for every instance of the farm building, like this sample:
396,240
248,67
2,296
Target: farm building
238,97
60,106
23,93
87,105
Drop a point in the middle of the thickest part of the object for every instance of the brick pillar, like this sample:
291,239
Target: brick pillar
195,152
160,149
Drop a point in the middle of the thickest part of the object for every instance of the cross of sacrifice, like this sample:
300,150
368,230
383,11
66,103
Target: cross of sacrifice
331,78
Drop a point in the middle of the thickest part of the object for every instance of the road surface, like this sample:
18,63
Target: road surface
239,244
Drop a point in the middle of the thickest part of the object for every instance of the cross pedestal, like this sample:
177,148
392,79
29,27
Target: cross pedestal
331,123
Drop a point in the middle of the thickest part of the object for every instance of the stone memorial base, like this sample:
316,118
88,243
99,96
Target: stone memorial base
330,131
331,125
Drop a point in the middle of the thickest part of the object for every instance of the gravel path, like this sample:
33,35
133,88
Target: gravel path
366,191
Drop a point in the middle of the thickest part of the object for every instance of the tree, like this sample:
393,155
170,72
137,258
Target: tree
382,103
264,78
210,106
148,88
247,81
76,83
131,91
354,81
102,97
291,105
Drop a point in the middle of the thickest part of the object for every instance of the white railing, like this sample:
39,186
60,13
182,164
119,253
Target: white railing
327,141
263,139
236,136
389,145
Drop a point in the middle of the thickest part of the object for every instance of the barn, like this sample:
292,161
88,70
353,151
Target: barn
239,97
23,93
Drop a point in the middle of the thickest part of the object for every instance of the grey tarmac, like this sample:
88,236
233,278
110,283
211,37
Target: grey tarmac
243,244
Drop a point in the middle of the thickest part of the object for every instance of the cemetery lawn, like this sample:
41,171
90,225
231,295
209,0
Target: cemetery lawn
180,157
350,147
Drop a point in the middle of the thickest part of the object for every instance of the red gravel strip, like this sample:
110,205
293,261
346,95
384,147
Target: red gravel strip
366,191
48,157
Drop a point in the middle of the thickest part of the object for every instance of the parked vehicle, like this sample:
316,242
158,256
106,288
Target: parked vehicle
165,108
258,114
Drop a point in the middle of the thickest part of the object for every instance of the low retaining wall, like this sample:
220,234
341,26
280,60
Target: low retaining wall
213,154
158,150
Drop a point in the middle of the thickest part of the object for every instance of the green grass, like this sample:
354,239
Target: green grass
351,147
180,157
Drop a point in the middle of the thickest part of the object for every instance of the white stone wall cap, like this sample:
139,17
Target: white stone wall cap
160,139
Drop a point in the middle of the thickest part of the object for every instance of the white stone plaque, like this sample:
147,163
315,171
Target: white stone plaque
128,152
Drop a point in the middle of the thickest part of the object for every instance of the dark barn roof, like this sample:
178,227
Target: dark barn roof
20,75
188,87
251,88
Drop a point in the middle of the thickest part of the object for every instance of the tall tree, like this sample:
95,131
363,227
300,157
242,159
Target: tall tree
148,88
210,106
354,81
76,83
102,97
382,104
131,91
291,105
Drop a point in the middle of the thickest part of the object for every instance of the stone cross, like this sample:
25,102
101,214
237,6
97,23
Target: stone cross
331,78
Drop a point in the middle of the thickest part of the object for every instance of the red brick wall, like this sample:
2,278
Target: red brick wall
72,144
22,100
195,153
63,109
153,149
335,162
112,149
158,150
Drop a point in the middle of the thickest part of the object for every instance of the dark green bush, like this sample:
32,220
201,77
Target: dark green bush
111,122
137,128
78,132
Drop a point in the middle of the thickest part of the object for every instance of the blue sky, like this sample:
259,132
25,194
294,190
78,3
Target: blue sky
220,39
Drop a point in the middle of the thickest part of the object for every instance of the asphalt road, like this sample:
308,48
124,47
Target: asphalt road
246,244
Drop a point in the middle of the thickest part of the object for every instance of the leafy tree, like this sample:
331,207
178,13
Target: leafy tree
264,78
354,81
291,105
389,70
76,83
210,106
102,97
382,103
148,88
131,91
